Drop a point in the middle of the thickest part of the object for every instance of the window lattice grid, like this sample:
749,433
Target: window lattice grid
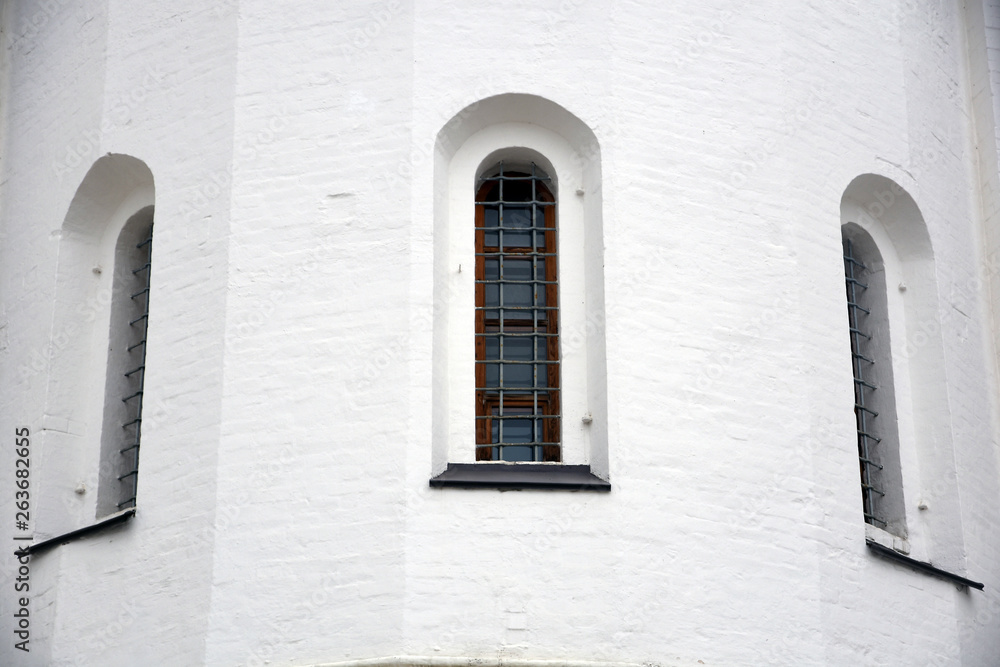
135,376
517,335
863,388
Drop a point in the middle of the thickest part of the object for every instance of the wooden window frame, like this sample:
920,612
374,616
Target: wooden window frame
548,408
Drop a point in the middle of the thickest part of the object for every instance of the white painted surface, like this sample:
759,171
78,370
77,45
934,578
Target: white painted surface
284,514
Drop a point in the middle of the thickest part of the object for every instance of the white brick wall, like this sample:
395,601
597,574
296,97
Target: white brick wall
284,513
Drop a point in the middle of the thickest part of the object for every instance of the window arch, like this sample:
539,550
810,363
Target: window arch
517,317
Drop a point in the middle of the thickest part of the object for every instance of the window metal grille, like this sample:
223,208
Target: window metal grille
135,377
517,318
862,361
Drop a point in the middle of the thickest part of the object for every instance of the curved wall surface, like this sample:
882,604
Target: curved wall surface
311,332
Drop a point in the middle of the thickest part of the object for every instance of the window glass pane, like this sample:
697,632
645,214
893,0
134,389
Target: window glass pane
492,216
539,240
516,216
517,375
515,295
491,239
517,349
517,269
492,295
492,348
492,375
540,297
518,454
517,430
492,269
516,190
516,239
493,192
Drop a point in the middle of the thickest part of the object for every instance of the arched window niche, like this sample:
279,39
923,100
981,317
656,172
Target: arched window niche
882,223
109,216
520,130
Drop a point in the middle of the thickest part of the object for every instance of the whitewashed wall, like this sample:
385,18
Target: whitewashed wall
284,512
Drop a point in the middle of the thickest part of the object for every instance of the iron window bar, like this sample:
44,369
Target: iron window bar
515,334
514,255
514,410
863,388
136,377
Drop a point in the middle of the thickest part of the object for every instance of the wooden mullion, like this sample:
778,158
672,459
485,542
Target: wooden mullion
483,426
551,428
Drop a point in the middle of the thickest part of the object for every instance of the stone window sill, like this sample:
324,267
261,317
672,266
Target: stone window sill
112,519
520,476
895,548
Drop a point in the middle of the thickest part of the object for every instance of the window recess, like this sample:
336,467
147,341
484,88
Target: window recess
135,376
863,389
549,399
121,434
875,413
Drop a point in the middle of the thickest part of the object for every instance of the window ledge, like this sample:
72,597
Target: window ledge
44,545
518,476
920,565
887,539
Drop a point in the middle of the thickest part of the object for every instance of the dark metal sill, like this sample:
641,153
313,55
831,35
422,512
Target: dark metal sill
44,545
921,566
520,476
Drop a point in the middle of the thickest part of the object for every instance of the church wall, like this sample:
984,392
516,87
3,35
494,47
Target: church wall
284,512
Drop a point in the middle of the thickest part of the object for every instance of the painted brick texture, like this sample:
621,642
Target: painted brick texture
284,512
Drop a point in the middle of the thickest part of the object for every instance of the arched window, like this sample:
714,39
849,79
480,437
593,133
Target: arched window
904,436
518,387
874,402
126,368
97,378
517,317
